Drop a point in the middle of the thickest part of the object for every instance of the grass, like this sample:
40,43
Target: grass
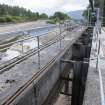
14,19
51,22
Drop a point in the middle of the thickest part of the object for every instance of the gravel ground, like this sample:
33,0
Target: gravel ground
18,27
21,26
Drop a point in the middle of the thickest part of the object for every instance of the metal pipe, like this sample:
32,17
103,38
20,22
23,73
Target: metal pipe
91,4
98,41
88,17
5,67
60,35
28,54
38,42
28,38
57,38
22,47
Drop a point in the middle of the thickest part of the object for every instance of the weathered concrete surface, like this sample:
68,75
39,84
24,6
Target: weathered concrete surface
92,94
63,100
37,92
80,52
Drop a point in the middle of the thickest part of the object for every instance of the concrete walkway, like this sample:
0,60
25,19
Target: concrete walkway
92,93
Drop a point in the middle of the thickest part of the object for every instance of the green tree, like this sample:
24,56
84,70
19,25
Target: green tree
58,17
15,13
43,16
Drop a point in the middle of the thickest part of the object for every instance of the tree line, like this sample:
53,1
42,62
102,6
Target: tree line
15,13
20,14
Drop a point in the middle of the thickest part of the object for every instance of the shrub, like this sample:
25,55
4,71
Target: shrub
51,21
8,19
2,19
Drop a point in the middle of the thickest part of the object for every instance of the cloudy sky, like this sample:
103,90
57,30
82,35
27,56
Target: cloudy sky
49,6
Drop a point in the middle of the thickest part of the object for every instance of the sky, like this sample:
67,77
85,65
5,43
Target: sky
49,6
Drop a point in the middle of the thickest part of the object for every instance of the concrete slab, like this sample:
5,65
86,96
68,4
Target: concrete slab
92,94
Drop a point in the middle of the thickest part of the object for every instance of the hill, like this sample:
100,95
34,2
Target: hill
76,14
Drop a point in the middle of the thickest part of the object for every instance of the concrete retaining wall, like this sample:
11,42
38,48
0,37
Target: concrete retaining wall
39,90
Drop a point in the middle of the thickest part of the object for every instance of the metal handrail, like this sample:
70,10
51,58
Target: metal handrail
21,40
32,51
23,32
29,54
10,99
98,41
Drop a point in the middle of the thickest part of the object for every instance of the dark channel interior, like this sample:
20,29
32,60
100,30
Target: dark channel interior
81,54
72,81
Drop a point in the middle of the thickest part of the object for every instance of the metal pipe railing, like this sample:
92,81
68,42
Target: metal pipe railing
26,32
29,54
96,34
37,49
12,98
22,40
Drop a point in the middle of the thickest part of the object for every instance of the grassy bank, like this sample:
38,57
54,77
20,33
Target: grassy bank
14,19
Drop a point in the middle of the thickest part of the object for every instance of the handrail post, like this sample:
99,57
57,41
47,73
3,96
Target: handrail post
60,36
22,42
88,22
22,48
38,44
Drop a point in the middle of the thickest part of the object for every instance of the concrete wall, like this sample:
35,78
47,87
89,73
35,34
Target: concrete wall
39,90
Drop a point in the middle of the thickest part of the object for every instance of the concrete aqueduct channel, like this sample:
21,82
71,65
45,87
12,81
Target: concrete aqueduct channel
67,67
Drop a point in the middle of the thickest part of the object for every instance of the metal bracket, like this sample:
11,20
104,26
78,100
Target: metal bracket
67,79
67,94
72,61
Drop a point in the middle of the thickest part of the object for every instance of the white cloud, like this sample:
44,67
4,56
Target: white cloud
49,6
